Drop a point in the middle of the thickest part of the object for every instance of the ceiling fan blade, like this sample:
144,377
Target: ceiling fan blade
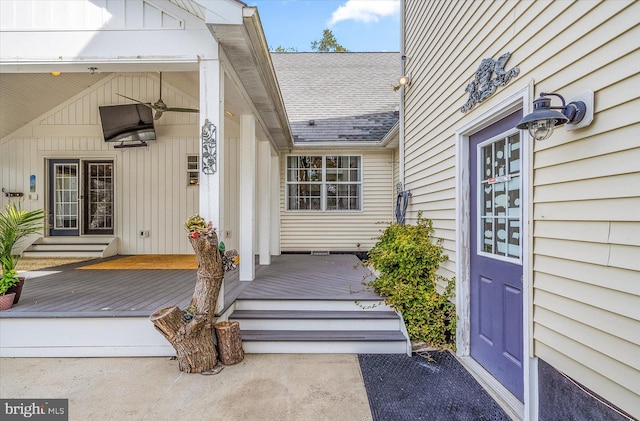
182,110
136,100
161,107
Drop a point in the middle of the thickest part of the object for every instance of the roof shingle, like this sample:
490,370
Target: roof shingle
347,95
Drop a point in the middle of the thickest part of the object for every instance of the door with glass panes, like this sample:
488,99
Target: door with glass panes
496,299
80,197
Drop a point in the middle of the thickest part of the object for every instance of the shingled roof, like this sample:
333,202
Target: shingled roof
337,97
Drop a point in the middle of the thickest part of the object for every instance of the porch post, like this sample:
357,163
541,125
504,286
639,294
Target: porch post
247,196
264,201
275,205
211,187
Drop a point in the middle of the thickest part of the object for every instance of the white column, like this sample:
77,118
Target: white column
247,196
275,205
211,188
211,185
264,201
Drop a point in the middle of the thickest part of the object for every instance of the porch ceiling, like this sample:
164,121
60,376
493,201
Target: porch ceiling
246,49
28,90
25,96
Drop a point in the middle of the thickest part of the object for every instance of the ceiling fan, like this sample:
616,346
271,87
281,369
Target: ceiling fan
159,106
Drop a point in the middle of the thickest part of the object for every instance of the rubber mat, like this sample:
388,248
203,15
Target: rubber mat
430,387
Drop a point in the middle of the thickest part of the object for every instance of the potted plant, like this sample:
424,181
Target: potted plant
7,282
15,224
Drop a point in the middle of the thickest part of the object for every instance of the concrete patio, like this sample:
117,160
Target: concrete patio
261,387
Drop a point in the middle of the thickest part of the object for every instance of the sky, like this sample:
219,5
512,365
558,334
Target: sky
358,25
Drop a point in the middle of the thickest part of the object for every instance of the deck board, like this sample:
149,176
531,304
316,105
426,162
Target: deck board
298,276
67,292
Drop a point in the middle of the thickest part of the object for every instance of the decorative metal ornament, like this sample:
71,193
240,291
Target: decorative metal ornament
209,148
484,85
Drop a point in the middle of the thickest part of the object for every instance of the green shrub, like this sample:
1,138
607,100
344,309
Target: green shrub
408,258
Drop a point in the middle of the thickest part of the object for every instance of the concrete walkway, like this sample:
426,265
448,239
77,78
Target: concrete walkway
262,387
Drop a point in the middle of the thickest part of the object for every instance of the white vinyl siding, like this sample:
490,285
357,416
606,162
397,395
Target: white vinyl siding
586,183
150,189
342,230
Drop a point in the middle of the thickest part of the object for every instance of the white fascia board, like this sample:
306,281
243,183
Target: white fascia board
222,11
337,145
390,140
69,47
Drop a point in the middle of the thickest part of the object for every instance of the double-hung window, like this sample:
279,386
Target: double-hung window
324,183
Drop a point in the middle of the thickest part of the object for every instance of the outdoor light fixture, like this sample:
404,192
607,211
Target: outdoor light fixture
403,81
545,118
56,73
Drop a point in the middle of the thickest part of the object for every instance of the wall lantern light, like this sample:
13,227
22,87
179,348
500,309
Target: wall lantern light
544,118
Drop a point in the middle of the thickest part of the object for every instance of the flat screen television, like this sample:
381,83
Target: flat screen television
127,123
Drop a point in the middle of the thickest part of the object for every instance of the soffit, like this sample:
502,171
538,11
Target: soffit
246,49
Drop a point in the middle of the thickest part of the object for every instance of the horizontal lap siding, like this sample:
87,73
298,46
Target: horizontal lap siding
342,231
586,185
151,191
587,215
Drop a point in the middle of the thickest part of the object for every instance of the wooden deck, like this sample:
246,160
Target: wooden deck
66,292
303,276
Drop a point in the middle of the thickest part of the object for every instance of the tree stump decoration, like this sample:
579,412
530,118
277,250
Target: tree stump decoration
229,342
190,331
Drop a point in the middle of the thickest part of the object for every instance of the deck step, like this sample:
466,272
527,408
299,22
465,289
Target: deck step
299,314
66,253
340,325
321,335
93,246
67,247
345,304
316,320
294,341
75,240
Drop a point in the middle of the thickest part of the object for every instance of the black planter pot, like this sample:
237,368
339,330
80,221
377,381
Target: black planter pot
17,288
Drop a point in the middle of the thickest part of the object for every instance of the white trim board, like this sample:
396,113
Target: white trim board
81,337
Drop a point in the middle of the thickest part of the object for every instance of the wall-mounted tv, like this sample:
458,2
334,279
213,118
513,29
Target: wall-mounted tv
127,123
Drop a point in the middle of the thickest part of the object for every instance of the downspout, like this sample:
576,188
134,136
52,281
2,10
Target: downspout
401,111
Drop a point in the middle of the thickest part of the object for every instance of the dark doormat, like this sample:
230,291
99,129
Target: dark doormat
430,387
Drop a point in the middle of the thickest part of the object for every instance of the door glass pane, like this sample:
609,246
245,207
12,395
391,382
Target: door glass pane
100,196
499,210
65,207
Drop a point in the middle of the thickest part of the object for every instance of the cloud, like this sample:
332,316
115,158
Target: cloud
365,10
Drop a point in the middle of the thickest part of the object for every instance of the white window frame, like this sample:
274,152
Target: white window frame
323,184
479,201
191,171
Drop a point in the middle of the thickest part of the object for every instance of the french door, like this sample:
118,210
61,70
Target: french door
80,197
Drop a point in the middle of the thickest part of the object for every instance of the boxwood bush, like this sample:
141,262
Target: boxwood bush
407,258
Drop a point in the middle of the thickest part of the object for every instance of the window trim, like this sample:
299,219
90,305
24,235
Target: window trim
195,171
323,184
503,258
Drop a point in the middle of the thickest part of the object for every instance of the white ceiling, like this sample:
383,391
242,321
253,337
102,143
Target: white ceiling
26,96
